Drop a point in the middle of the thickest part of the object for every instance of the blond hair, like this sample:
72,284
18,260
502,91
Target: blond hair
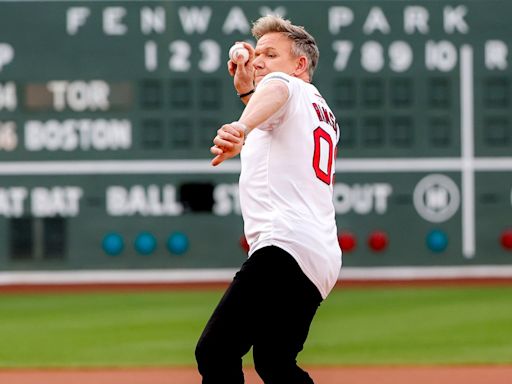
303,44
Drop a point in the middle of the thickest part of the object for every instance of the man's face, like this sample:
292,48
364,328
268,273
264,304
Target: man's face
273,54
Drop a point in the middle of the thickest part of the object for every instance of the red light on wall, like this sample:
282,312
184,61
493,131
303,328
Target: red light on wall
244,244
347,241
378,241
506,239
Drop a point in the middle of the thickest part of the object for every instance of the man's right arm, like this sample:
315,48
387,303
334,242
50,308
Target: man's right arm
243,74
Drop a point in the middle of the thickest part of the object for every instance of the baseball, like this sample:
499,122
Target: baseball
238,50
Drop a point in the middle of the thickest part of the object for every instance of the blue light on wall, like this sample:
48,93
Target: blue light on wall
177,243
113,244
145,243
437,240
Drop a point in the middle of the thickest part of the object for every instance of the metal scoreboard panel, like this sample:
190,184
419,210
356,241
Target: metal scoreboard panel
107,111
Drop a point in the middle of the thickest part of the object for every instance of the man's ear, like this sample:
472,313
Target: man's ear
301,66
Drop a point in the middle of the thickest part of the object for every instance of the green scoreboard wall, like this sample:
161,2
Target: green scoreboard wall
108,109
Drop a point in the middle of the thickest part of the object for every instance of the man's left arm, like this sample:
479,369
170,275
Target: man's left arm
269,99
264,103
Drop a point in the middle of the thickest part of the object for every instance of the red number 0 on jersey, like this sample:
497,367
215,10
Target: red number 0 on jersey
322,162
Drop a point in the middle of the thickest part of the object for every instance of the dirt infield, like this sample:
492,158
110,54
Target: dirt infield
321,375
194,286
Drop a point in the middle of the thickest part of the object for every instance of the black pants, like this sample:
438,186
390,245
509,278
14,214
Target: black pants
269,305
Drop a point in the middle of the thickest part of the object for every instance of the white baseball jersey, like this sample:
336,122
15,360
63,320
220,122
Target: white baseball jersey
286,183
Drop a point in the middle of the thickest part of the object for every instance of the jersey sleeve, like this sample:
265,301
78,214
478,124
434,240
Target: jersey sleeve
274,120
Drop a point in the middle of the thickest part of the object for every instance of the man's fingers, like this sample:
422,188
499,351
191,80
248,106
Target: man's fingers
231,67
236,65
218,159
228,129
219,142
227,136
249,48
216,150
241,68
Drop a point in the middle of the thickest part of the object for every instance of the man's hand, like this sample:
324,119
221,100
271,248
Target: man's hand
243,73
228,142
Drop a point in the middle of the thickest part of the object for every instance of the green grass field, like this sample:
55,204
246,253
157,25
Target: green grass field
463,325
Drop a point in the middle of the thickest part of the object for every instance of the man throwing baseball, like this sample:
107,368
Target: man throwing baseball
286,138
